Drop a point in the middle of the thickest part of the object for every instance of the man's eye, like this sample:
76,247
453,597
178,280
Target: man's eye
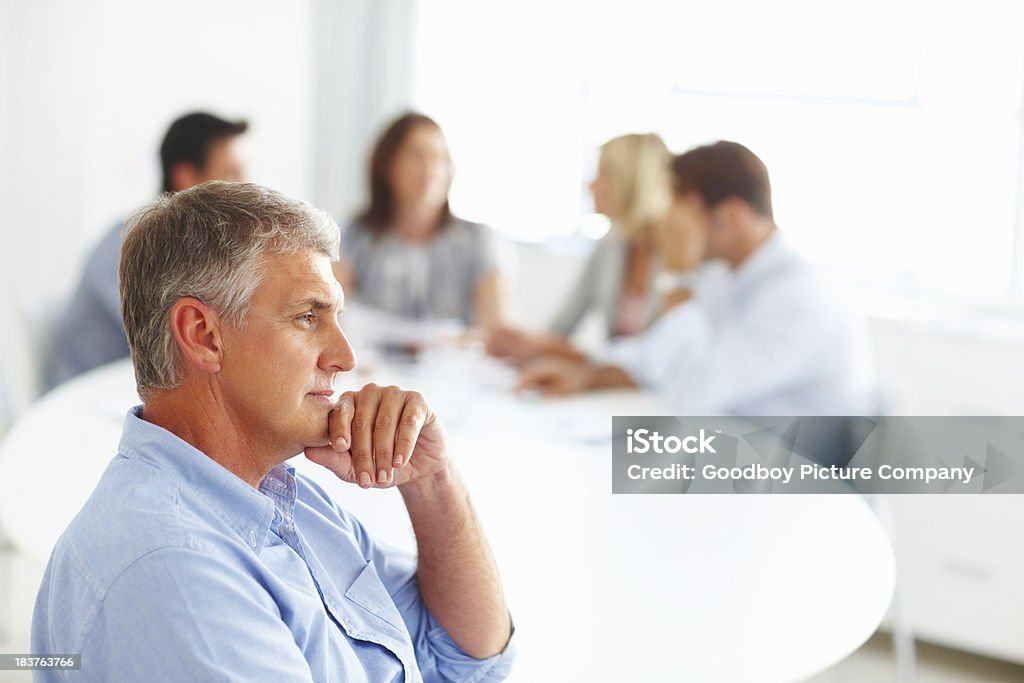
308,318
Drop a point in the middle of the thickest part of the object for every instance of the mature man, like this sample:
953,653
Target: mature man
196,148
757,332
201,555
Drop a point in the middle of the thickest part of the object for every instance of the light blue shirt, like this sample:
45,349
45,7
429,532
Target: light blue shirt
177,570
89,332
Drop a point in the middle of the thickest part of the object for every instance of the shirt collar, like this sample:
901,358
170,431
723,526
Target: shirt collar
244,509
763,261
280,487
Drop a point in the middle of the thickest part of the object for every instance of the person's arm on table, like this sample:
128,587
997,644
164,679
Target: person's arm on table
632,362
560,376
625,365
503,341
491,265
490,299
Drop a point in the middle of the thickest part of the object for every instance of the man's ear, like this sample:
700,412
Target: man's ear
731,213
197,330
184,175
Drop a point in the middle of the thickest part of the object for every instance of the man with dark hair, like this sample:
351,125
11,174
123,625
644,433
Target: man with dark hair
200,147
748,327
197,147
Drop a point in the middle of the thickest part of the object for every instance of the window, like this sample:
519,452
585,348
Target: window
892,130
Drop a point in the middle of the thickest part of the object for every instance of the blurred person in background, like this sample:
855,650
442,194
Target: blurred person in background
407,254
632,189
197,147
765,335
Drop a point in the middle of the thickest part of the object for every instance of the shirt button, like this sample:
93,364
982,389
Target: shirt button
252,538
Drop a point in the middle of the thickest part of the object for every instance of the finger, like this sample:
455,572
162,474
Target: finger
531,377
366,402
558,386
569,379
339,463
339,422
384,429
540,374
414,415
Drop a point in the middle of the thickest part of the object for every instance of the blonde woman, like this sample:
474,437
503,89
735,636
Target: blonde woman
632,189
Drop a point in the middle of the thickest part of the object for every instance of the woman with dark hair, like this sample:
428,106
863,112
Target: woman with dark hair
406,253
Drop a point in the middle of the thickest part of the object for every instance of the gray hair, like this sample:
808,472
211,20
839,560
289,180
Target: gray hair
206,242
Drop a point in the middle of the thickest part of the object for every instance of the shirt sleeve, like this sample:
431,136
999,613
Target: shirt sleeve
580,298
772,345
179,614
665,350
101,277
440,659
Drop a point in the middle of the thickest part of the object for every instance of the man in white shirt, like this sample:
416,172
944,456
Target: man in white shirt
748,327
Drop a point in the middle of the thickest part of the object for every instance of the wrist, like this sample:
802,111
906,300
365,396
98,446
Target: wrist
542,344
559,346
428,486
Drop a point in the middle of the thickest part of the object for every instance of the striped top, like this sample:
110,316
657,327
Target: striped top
434,280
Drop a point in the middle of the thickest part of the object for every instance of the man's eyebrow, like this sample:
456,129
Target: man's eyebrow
315,303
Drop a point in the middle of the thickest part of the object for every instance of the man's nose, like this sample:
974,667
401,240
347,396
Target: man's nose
338,356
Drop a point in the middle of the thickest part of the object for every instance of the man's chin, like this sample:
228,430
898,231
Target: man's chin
319,442
314,433
317,435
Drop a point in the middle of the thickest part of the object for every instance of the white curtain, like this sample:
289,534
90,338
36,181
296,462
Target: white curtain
365,55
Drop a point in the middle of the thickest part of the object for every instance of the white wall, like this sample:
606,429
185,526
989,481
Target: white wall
7,41
364,77
91,86
928,371
87,89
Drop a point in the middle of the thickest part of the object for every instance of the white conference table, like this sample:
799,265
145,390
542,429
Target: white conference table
765,588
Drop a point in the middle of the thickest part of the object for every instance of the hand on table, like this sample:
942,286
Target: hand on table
555,375
382,437
502,341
